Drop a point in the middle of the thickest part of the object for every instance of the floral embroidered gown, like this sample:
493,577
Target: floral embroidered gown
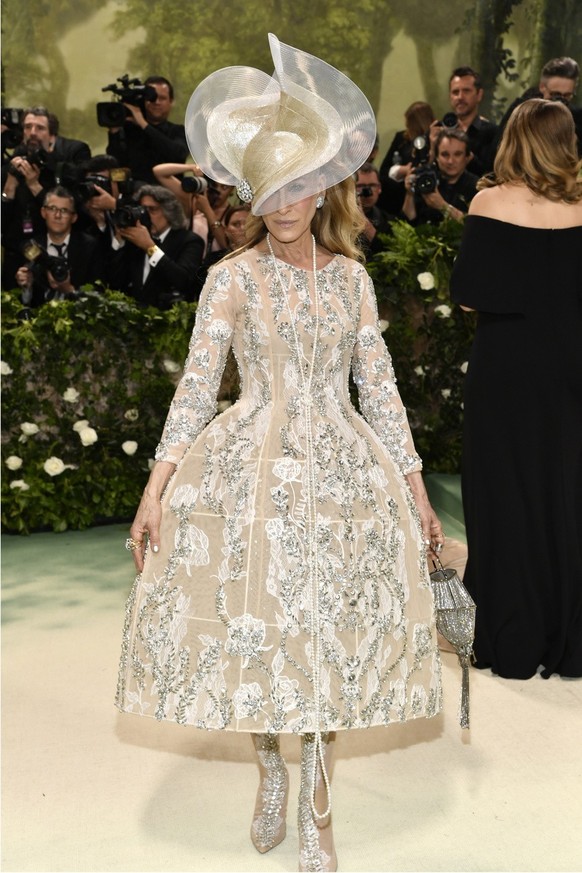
291,591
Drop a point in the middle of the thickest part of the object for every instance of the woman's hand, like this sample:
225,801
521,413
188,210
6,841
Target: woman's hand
146,524
432,531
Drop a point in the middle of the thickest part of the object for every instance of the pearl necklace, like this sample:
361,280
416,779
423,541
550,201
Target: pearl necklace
306,386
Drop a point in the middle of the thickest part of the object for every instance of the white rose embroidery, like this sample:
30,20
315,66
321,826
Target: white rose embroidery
247,700
246,636
287,469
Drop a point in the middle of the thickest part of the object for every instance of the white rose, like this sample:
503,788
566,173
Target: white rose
223,404
129,447
446,392
53,466
463,368
151,464
5,369
171,366
426,281
131,414
88,436
443,310
419,370
71,395
28,428
21,484
13,462
383,324
80,425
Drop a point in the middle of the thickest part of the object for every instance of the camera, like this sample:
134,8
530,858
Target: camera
11,120
34,154
38,257
87,188
449,120
128,215
114,114
426,180
425,176
194,184
366,191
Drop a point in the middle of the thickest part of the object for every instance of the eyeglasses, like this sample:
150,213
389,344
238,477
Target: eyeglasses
60,210
558,95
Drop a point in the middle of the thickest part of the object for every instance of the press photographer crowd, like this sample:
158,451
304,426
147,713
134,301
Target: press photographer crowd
144,220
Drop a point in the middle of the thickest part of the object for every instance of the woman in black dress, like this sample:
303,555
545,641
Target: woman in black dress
520,267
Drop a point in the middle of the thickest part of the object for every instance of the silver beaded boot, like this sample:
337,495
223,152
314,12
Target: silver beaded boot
316,849
269,828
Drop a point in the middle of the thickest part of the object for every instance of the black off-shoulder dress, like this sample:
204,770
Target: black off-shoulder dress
522,457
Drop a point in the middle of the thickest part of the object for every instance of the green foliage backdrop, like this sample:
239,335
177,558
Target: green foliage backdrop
185,41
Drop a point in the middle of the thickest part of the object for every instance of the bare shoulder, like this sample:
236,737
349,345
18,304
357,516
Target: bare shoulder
489,202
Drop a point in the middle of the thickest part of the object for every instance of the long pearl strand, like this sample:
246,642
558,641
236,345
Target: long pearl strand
307,399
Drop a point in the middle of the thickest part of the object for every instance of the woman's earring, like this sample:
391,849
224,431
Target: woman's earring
319,202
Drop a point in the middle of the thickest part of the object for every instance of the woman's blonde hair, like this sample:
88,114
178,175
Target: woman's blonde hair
538,149
337,226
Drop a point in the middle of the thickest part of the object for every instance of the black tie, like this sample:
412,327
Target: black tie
60,248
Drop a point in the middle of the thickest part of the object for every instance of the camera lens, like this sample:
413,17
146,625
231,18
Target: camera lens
194,184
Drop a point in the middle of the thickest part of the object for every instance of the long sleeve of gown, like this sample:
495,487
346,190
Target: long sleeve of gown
380,401
194,403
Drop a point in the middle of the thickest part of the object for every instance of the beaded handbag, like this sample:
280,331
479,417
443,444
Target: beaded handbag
455,620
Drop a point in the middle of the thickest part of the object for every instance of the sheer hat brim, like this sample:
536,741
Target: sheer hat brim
283,137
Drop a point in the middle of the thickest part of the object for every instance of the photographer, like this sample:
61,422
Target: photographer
33,169
147,137
58,260
445,189
368,191
204,202
159,266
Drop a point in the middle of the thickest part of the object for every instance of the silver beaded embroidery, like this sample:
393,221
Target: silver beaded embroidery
217,632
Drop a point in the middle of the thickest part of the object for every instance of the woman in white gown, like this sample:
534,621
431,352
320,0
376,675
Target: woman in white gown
281,546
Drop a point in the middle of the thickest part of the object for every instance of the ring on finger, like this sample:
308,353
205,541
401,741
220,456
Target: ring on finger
131,545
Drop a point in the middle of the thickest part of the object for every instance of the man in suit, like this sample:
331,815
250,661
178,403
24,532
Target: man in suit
148,137
58,261
157,258
35,168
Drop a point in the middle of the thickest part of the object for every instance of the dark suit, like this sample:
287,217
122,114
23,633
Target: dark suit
141,150
173,278
85,266
69,151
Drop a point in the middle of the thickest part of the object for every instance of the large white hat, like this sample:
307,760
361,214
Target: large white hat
283,137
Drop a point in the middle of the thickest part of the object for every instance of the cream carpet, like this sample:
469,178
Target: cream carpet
88,789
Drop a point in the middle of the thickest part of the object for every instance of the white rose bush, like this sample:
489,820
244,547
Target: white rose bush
81,413
429,336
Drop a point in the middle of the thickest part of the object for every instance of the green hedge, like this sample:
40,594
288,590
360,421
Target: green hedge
86,385
103,361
